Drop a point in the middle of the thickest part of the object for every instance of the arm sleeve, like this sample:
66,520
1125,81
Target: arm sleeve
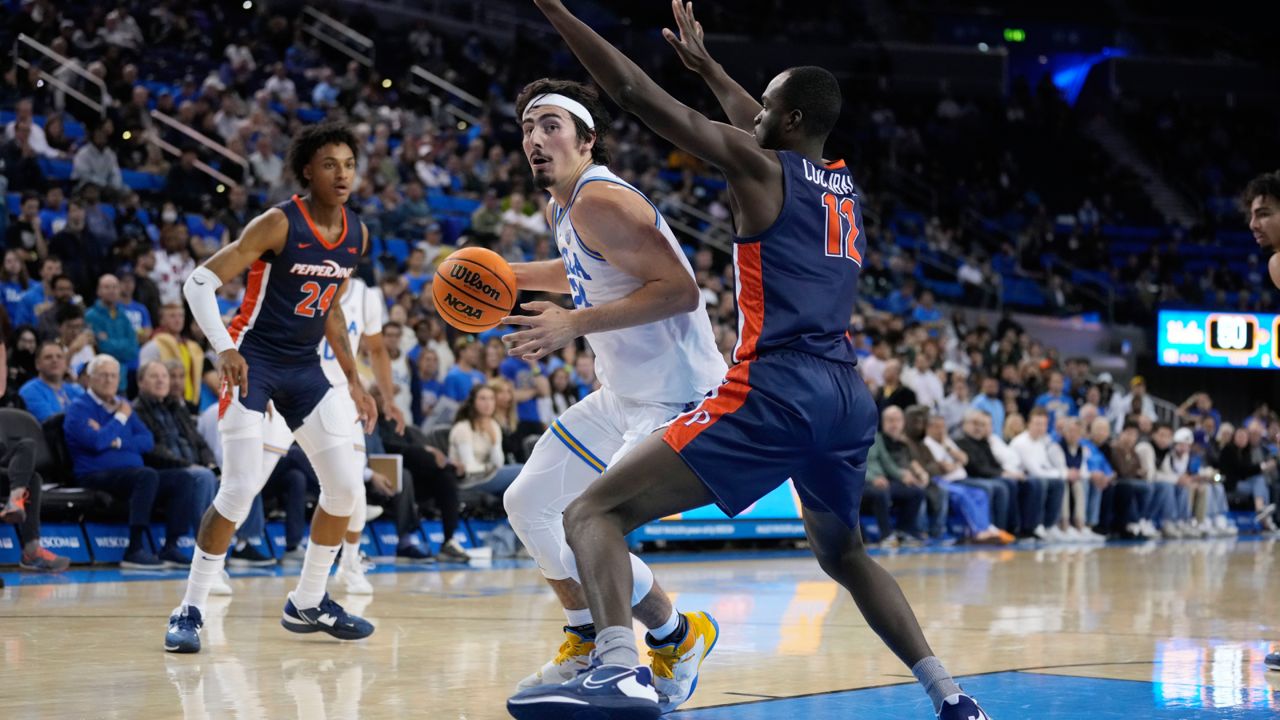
199,290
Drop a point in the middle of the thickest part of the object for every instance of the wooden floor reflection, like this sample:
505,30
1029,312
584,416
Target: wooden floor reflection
1189,618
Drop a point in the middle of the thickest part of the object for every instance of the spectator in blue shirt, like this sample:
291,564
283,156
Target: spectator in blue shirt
584,374
113,332
431,405
927,314
989,401
42,292
48,394
417,274
138,314
465,374
13,289
1056,401
531,380
106,441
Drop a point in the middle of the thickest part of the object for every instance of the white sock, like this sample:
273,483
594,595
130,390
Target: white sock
668,627
350,554
206,568
578,618
315,575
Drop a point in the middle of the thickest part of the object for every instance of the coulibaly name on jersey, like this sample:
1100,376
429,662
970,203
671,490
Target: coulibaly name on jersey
838,183
327,269
461,306
471,279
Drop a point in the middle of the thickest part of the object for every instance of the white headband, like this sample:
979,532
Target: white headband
576,108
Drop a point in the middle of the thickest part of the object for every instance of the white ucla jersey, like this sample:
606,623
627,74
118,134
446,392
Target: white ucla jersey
364,308
673,360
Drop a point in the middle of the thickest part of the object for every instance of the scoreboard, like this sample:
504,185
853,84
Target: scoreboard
1188,338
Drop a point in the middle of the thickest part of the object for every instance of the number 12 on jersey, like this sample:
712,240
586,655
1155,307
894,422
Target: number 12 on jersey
842,228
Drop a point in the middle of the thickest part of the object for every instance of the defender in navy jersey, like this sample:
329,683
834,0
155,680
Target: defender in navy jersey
793,405
299,256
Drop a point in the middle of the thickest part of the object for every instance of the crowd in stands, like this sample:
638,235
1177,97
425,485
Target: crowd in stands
103,227
1059,453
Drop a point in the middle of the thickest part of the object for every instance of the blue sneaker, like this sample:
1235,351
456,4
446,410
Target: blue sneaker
961,707
172,557
184,631
328,617
1273,661
141,560
613,691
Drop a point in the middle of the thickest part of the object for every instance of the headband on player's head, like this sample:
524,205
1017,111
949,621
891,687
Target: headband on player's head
574,107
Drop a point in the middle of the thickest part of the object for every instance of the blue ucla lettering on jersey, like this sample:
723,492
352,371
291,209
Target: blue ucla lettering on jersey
797,281
289,293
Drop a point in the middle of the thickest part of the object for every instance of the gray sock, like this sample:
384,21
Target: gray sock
933,677
617,646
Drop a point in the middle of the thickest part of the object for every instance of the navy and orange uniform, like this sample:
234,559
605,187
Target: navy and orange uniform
793,405
282,317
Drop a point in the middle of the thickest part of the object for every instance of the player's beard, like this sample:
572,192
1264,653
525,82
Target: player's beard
542,179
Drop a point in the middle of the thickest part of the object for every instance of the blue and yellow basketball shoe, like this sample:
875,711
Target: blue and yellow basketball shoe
676,663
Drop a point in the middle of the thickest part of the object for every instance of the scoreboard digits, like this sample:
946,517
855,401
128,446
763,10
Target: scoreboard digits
1187,338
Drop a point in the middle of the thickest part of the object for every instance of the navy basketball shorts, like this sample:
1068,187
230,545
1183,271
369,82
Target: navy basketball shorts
783,415
296,389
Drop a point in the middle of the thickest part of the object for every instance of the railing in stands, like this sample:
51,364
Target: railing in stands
320,26
63,63
202,166
452,93
201,138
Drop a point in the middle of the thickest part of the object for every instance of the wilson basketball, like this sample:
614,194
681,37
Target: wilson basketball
474,289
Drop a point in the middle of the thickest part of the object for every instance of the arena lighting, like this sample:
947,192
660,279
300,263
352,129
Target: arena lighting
248,5
983,47
1015,35
1070,70
386,83
221,188
462,125
126,135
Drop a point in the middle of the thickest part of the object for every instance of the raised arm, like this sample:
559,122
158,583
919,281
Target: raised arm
737,103
726,147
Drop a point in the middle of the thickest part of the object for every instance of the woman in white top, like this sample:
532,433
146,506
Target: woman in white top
475,441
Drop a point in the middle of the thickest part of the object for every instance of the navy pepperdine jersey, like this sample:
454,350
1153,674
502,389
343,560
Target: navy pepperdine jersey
288,294
796,282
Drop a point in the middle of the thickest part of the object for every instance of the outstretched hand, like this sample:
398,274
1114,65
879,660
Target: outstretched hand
689,43
549,330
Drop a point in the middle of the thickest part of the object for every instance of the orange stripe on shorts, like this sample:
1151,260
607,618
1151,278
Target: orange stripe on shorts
731,396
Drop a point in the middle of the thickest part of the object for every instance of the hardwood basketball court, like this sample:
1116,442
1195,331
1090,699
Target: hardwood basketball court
1167,630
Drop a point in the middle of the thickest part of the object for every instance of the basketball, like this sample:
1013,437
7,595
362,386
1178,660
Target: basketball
474,289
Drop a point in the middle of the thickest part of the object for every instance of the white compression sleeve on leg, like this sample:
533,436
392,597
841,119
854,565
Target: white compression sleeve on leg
199,290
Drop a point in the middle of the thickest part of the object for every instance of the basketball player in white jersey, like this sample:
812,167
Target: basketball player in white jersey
638,305
1262,205
364,309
